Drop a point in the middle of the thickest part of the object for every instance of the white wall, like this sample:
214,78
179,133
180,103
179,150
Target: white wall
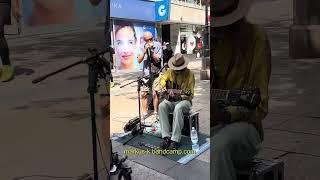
175,38
187,15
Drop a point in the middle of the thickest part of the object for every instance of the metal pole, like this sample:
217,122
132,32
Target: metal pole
204,74
206,37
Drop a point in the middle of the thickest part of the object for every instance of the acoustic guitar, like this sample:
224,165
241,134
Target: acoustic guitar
177,94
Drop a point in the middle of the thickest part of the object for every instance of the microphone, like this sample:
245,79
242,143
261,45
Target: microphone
165,65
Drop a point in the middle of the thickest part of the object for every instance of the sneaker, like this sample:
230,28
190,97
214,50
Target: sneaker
174,145
144,115
7,73
166,143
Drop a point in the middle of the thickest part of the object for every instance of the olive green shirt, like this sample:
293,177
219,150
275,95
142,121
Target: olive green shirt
253,69
184,80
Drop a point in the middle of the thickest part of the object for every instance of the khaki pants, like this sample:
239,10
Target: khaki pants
178,108
232,146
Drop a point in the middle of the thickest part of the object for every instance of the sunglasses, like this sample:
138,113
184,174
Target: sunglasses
148,40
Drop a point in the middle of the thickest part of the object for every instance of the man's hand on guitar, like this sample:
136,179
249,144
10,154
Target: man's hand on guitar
174,95
220,115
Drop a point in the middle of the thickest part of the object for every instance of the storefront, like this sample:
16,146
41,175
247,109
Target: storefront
130,19
183,28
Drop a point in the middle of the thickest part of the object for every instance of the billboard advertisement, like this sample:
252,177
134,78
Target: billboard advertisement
48,12
128,41
132,9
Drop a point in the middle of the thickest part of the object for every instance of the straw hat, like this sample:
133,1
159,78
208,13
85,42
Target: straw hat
239,11
178,62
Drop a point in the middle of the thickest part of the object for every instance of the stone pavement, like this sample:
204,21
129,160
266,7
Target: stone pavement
124,106
292,125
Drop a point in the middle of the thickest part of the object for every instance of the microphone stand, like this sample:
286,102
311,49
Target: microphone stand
141,127
140,81
98,68
150,60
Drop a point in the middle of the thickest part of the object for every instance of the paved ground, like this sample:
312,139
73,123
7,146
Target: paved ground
292,126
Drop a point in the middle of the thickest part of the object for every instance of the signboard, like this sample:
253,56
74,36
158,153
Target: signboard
128,40
162,10
132,9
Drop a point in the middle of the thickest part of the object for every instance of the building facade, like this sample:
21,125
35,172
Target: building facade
181,23
184,27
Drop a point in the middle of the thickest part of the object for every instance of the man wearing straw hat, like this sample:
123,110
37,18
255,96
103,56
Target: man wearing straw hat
178,76
241,59
6,8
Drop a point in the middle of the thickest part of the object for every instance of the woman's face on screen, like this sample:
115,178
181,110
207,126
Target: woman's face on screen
126,45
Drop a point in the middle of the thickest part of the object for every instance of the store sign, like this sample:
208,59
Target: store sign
132,9
162,10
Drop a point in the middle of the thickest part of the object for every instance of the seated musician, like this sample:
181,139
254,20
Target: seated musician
176,81
242,59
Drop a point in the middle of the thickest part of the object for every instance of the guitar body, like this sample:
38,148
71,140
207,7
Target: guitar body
177,94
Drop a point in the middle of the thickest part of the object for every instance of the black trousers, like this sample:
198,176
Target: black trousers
5,19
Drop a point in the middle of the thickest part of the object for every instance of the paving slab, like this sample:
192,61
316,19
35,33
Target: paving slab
269,154
290,141
301,167
195,169
302,125
140,172
274,120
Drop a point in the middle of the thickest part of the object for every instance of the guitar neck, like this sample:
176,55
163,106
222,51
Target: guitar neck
220,94
180,92
177,91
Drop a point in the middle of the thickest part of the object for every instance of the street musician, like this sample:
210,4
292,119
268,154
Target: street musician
178,88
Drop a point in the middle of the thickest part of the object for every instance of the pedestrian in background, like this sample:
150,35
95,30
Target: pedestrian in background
6,8
167,53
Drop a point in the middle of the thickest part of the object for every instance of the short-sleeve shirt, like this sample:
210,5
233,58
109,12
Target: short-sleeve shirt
155,67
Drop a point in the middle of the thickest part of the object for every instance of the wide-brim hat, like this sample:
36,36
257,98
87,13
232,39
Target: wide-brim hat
178,62
241,11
